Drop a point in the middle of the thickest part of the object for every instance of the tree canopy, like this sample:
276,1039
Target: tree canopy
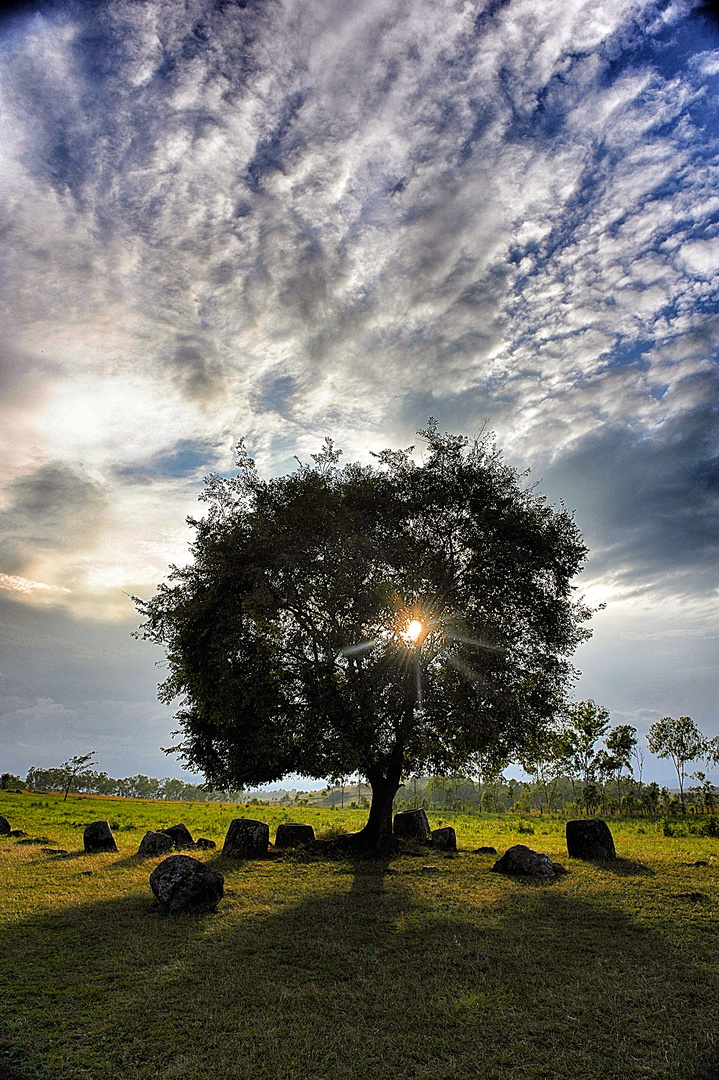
378,619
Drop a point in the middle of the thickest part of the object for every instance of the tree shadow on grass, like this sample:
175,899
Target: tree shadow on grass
356,971
621,867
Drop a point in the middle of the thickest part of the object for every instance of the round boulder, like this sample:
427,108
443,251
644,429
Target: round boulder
590,839
154,843
183,885
523,861
411,825
485,850
246,839
445,839
181,836
98,838
291,835
4,826
204,844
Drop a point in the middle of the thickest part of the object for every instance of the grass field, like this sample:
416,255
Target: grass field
312,969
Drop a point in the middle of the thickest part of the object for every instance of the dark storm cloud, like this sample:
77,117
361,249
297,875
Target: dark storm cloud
54,507
649,502
195,369
68,686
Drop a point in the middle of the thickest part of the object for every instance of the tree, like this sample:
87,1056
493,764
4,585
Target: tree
649,797
681,741
620,742
10,782
76,766
373,620
545,759
587,722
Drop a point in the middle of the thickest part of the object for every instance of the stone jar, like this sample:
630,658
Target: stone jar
291,834
246,839
590,838
183,885
523,861
154,843
411,825
445,839
181,836
98,838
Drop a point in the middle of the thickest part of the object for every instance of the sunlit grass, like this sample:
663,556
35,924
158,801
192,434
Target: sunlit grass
317,969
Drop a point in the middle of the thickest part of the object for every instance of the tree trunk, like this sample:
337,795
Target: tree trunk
377,837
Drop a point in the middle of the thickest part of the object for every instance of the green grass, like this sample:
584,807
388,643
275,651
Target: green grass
312,969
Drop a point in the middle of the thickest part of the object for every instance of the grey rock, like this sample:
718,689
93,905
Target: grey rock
523,861
444,839
183,885
98,838
17,832
154,843
181,836
590,839
291,834
485,851
246,839
204,844
411,825
4,826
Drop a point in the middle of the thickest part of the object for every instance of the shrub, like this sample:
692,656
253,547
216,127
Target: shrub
706,826
332,832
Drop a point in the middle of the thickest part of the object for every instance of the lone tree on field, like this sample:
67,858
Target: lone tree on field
382,620
74,767
681,741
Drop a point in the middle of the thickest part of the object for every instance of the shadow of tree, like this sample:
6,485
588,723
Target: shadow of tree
622,867
376,973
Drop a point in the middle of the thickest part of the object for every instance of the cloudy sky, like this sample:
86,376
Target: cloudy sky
280,220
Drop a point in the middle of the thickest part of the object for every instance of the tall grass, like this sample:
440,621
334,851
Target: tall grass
315,969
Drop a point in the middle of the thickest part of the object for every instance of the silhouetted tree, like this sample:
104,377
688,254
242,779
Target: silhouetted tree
370,620
75,767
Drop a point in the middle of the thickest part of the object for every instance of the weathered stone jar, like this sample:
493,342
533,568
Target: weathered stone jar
183,885
98,838
590,838
411,825
292,834
154,843
246,839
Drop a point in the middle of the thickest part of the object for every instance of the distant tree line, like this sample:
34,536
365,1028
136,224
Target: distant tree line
583,767
91,782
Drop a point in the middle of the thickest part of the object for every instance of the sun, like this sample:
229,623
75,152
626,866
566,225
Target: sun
412,632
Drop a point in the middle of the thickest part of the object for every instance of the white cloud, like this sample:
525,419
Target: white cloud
291,220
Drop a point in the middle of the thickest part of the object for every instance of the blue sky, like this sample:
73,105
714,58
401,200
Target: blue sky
278,220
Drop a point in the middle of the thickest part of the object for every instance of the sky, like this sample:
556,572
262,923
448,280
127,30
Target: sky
279,220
